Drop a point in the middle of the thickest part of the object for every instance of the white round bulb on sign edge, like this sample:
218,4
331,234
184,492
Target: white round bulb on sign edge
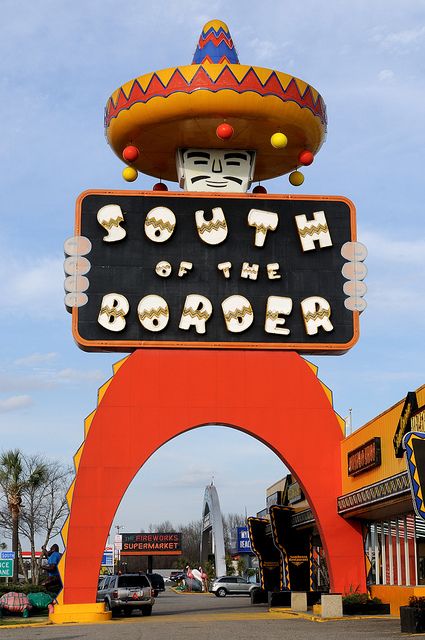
354,270
76,299
355,304
75,283
355,288
77,246
355,251
76,265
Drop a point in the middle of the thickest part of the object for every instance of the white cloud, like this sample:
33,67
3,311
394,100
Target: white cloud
36,358
386,75
33,287
385,248
76,375
14,403
399,40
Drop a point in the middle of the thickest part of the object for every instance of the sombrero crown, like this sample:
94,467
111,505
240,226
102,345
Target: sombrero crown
181,107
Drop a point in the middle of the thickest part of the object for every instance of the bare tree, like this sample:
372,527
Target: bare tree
230,523
43,507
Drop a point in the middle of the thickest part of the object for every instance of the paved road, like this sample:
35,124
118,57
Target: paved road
195,617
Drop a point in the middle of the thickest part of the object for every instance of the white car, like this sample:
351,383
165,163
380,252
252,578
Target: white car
233,585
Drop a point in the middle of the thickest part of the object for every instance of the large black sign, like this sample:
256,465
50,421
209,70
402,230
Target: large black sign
365,457
410,406
294,545
202,270
269,557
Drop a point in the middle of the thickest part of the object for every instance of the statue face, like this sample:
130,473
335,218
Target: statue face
229,170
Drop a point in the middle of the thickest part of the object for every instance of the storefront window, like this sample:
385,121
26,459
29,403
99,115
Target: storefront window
395,551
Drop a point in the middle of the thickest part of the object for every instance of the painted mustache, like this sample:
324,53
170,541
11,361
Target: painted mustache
209,177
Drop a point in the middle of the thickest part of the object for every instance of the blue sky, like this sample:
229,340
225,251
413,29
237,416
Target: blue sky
60,61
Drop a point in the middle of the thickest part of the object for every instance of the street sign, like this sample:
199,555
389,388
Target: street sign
7,555
6,568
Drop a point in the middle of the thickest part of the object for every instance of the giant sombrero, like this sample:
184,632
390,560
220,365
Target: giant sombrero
182,107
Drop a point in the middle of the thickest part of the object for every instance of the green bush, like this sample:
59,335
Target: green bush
360,598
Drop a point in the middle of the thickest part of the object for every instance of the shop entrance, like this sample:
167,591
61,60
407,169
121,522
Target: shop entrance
156,395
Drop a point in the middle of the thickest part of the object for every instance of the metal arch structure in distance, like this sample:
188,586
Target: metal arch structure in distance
212,521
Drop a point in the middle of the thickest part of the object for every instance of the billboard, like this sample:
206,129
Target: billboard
151,544
212,271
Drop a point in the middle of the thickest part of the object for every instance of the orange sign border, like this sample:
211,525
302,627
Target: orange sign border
131,345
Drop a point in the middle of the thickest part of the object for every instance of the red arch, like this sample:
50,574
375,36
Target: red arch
157,394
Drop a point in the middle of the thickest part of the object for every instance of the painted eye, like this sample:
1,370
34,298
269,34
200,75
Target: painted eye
233,163
200,162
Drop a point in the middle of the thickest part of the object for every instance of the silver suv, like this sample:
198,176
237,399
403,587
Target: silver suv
233,585
126,592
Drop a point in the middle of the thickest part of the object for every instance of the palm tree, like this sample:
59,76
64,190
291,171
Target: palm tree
13,481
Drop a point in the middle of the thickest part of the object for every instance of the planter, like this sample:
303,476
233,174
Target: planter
412,620
365,609
279,598
259,596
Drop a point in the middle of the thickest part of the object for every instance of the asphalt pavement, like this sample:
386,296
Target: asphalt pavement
191,617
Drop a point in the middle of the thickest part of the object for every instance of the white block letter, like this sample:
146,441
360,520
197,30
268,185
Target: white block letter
159,224
272,269
277,307
184,268
249,271
163,269
113,309
316,313
196,311
213,231
225,268
153,313
312,230
110,217
263,221
238,313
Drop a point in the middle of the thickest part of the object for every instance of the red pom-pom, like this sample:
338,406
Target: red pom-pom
224,131
130,153
159,186
259,189
305,158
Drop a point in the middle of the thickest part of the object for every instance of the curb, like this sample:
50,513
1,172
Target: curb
314,618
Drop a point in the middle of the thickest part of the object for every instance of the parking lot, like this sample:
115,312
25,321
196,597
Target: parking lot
191,616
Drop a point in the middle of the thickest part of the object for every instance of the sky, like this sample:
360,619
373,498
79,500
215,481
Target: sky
59,62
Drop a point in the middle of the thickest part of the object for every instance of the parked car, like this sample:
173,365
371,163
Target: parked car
233,585
176,576
157,582
126,592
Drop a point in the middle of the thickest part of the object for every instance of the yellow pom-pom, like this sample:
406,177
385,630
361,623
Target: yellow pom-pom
129,174
296,178
279,140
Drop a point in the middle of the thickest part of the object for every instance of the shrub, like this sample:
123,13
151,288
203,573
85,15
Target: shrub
360,598
417,602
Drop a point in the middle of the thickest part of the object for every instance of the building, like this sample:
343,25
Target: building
375,491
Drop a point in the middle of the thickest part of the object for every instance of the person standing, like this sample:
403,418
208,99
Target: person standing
53,581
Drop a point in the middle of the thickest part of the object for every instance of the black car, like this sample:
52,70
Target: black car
157,582
176,576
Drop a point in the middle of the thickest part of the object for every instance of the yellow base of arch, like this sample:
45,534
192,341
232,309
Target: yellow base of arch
93,612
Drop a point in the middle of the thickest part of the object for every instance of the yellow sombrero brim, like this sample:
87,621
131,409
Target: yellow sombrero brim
182,107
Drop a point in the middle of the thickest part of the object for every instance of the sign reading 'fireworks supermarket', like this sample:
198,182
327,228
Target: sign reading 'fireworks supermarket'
155,544
214,271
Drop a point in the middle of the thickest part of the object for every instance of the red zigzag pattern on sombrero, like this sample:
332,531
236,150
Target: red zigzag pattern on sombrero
225,80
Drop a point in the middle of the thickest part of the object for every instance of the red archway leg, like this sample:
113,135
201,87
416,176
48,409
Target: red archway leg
157,394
